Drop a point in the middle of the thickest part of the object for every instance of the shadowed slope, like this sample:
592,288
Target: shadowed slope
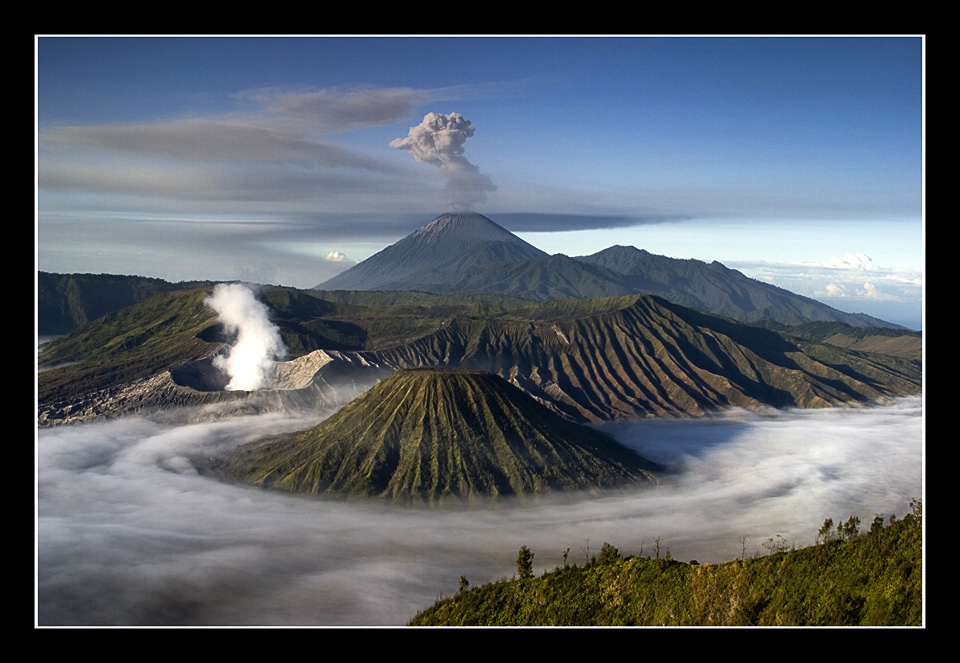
469,253
433,435
591,360
450,243
641,356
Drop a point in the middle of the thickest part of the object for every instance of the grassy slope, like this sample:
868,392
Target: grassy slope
68,301
638,355
436,435
596,360
875,579
898,343
131,343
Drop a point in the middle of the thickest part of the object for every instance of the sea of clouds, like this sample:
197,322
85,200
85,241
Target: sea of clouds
130,533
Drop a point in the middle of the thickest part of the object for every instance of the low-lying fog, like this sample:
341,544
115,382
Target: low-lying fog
130,534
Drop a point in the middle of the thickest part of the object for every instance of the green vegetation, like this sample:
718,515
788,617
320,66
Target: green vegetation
588,359
455,267
440,435
68,301
899,342
524,563
874,579
636,356
133,343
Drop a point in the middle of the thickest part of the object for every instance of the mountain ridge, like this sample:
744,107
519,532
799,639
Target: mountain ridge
447,256
587,359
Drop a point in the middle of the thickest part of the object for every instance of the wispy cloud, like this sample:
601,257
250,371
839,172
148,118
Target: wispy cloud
209,141
540,222
337,110
230,188
268,150
348,108
853,283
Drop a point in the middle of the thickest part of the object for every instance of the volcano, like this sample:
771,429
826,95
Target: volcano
450,244
439,435
470,254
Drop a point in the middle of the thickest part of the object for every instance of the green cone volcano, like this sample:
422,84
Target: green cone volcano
435,435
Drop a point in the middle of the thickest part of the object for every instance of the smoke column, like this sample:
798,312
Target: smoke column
250,361
439,140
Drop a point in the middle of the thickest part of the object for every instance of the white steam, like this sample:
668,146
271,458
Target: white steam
250,360
439,140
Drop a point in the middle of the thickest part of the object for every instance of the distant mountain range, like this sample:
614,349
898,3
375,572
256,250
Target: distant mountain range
477,388
469,253
586,359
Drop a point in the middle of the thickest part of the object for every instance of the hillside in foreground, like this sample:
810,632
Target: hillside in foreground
873,579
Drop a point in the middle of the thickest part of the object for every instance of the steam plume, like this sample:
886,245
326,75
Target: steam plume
250,361
439,140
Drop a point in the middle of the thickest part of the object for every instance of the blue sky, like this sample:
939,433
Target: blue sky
796,160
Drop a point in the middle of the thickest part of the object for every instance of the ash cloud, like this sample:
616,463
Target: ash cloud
130,533
210,140
438,140
540,222
250,360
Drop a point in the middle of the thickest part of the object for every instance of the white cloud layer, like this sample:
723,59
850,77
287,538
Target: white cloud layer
130,533
851,261
854,284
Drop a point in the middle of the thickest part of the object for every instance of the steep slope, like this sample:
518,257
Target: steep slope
451,242
871,580
166,330
437,435
639,356
544,279
624,270
155,357
67,301
715,288
589,359
895,342
469,253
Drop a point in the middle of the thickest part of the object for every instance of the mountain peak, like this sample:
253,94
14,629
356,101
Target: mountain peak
459,238
431,435
468,226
